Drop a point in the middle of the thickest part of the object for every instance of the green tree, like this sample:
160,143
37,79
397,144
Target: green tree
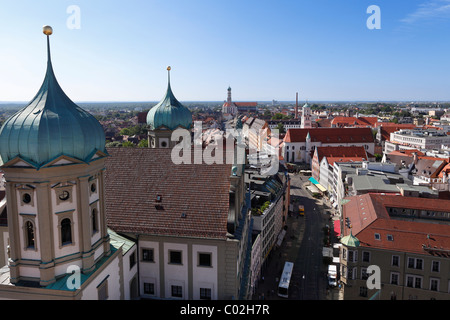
125,132
143,143
281,128
128,144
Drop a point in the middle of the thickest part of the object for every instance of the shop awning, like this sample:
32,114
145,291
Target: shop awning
317,184
337,227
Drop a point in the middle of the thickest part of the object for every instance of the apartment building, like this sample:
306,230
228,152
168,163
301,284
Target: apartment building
416,139
405,237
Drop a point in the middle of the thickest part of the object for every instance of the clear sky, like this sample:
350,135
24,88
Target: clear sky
263,49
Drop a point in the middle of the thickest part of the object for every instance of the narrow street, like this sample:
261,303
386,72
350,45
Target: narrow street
309,274
302,245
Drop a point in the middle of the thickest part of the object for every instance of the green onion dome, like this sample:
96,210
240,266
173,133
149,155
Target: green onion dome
51,125
169,113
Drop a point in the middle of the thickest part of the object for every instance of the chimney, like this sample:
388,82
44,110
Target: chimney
296,105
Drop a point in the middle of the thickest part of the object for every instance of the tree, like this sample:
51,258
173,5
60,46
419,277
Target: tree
143,143
127,144
125,132
281,128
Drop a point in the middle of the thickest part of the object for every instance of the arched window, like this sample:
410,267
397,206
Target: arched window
30,234
66,231
94,221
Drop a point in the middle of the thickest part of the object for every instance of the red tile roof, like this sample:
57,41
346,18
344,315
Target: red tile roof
331,135
354,121
336,152
246,104
387,128
368,215
134,177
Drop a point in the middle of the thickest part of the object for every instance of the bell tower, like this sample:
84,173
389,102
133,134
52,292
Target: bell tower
165,117
306,116
53,155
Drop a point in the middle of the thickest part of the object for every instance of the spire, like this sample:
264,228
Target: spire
168,74
169,112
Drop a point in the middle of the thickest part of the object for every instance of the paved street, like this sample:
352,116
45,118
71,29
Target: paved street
302,245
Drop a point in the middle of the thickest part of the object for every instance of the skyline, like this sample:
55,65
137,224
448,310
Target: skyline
264,50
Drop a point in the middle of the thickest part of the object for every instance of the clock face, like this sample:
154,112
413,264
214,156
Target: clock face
64,195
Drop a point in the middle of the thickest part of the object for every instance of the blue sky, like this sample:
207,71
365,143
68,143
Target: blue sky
263,49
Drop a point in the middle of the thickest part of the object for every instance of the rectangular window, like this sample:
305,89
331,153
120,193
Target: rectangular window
102,290
394,278
366,256
395,261
410,281
363,291
177,291
175,257
149,288
204,259
205,293
415,263
419,264
435,266
434,284
148,255
413,281
132,259
418,282
364,274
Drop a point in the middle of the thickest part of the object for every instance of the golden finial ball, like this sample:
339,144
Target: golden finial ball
169,68
47,30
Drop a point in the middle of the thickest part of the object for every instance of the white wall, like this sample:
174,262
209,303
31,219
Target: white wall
112,273
129,273
149,271
176,274
204,277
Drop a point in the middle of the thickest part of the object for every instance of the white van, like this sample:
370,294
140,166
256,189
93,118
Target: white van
332,275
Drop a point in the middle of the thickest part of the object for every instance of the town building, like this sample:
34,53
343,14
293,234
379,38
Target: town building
348,122
356,178
190,223
234,108
406,238
286,123
256,132
325,157
416,139
299,144
270,198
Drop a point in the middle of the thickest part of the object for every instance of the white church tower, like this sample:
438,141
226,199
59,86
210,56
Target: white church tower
306,116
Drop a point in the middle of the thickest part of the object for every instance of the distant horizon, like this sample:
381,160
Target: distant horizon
259,102
325,50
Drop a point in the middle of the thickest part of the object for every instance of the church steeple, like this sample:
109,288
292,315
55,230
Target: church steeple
165,117
53,153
